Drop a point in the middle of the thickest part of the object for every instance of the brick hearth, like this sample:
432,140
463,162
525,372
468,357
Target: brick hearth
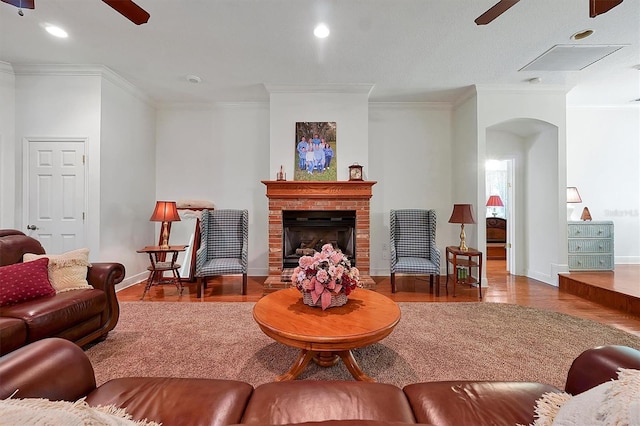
296,195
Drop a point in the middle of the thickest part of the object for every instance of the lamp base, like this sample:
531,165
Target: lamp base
463,245
165,236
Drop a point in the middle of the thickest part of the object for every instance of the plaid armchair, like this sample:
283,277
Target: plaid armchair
413,244
224,246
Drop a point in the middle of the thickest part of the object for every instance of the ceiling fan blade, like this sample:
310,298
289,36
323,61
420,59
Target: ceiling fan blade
129,10
22,4
598,7
495,11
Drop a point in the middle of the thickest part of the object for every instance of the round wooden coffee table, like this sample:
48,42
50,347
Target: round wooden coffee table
326,336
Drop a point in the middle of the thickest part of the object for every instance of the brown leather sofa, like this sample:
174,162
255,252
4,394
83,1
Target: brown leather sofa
58,370
80,316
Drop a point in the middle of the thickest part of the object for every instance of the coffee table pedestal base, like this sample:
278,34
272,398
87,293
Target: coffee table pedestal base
324,359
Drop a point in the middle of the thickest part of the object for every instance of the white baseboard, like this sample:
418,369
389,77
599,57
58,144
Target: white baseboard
132,280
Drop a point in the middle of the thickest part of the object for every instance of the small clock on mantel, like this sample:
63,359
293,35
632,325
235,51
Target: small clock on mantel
355,172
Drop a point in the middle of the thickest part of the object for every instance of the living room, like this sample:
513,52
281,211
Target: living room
422,153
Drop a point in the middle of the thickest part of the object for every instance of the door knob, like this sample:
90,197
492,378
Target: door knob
32,227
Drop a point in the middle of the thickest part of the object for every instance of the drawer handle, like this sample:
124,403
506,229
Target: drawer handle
578,247
600,247
579,263
578,231
599,231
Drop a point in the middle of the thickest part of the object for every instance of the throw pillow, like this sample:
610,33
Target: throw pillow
36,412
611,403
24,281
67,271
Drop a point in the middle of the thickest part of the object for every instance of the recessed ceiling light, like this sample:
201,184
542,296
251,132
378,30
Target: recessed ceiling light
321,31
193,79
56,31
535,80
581,35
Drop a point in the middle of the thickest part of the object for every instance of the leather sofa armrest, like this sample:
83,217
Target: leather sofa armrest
52,368
599,365
104,276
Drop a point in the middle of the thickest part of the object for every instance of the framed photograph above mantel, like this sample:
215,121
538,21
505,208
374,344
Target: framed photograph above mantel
315,151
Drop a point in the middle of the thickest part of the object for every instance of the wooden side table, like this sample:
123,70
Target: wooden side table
465,260
159,266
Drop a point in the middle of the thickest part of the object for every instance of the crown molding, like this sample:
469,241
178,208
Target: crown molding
82,70
363,88
440,106
209,106
522,88
6,68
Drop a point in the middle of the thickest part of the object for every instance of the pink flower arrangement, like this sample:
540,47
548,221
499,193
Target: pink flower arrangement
326,273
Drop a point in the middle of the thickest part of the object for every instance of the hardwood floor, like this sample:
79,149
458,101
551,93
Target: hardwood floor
503,288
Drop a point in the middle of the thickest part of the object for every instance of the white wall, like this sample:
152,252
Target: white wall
603,152
541,207
60,102
464,166
409,157
7,147
221,154
127,170
349,111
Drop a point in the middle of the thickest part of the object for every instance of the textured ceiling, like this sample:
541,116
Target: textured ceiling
409,50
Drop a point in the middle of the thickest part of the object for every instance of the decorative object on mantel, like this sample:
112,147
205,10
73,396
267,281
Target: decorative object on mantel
462,213
573,197
281,175
165,212
355,172
586,215
326,279
494,201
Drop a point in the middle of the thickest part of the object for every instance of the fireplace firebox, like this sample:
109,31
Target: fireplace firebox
306,231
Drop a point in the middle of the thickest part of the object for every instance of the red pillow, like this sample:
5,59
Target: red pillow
25,281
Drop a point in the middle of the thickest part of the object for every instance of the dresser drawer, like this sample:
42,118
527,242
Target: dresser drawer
590,230
591,262
590,246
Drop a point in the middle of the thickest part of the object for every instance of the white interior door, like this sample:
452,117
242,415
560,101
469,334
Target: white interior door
55,193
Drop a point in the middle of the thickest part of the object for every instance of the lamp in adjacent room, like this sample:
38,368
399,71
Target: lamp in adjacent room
462,213
165,212
494,201
573,197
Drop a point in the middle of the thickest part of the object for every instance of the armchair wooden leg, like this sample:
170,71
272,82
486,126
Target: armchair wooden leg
393,283
201,285
244,284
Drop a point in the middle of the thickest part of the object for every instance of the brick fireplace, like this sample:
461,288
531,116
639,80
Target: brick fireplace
313,196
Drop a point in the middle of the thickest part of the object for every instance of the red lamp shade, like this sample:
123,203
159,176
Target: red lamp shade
165,211
462,213
494,201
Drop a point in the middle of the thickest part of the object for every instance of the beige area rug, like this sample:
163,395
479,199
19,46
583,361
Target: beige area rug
433,341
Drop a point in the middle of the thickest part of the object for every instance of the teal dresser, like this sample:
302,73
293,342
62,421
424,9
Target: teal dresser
591,246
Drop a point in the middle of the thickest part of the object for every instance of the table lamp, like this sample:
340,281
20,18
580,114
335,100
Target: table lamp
165,212
494,201
573,196
462,213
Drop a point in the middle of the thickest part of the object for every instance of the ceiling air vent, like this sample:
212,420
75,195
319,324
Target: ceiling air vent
565,57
